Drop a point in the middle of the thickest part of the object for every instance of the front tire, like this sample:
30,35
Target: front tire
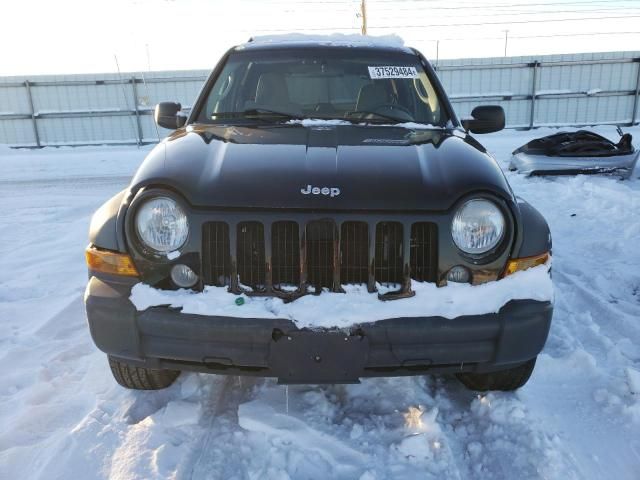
505,380
140,378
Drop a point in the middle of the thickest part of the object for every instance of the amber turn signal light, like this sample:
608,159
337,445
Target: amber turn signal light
519,264
110,262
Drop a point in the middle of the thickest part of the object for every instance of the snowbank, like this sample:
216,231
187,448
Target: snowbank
357,305
70,163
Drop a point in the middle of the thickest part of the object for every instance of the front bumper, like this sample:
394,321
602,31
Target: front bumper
164,338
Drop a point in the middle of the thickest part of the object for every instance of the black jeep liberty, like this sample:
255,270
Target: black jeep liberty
304,167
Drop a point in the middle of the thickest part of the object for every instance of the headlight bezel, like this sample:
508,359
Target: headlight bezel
141,199
507,232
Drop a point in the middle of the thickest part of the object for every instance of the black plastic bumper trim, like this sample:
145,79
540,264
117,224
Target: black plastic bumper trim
161,337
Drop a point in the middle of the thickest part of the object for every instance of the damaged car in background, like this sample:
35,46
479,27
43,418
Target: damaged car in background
572,153
320,216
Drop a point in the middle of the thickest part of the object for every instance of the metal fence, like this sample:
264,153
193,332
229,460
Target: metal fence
556,90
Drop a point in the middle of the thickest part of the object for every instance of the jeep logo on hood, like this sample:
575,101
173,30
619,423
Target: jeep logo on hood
311,190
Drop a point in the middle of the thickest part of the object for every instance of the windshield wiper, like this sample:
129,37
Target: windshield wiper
363,113
267,111
258,113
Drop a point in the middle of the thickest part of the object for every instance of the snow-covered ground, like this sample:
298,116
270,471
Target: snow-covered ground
62,416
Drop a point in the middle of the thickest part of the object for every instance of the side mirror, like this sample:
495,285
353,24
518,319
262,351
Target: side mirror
166,115
486,119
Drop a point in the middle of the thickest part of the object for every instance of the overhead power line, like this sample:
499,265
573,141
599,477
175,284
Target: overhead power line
628,11
474,5
504,22
575,34
493,13
511,37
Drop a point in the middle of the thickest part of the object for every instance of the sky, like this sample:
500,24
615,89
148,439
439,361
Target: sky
95,36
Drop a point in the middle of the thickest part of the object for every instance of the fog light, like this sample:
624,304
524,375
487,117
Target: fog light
183,276
458,274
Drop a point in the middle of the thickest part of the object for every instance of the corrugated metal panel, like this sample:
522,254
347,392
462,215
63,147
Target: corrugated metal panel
85,109
599,93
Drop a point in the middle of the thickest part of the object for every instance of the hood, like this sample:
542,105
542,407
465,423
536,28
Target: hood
336,167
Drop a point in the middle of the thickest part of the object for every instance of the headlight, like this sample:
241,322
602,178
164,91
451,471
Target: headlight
477,227
162,224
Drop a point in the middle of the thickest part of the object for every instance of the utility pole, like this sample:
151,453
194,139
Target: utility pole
363,14
506,39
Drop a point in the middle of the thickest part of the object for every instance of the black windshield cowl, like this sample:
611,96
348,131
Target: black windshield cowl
256,113
356,117
364,116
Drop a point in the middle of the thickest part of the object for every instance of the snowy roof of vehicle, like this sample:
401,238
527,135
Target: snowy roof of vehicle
387,42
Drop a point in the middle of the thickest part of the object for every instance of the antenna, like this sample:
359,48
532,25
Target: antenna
506,40
124,95
146,91
146,46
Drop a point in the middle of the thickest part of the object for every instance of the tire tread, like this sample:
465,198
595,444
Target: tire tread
504,380
140,378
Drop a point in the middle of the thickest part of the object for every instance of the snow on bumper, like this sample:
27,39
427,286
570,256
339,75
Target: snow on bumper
357,305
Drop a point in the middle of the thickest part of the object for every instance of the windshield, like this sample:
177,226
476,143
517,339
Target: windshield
346,84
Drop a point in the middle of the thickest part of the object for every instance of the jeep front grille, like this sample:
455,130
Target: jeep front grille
423,240
284,258
216,259
250,253
389,252
354,252
320,240
285,254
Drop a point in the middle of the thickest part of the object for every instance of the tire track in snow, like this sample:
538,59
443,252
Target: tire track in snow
498,437
56,402
469,436
585,373
215,447
608,321
341,431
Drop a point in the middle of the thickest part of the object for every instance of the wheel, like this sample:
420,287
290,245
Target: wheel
140,378
506,380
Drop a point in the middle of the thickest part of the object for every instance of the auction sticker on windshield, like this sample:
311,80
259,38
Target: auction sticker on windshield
392,71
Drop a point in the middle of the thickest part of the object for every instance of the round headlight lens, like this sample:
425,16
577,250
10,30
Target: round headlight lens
162,224
477,227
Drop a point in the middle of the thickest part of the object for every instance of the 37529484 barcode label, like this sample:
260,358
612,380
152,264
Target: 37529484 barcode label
392,71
